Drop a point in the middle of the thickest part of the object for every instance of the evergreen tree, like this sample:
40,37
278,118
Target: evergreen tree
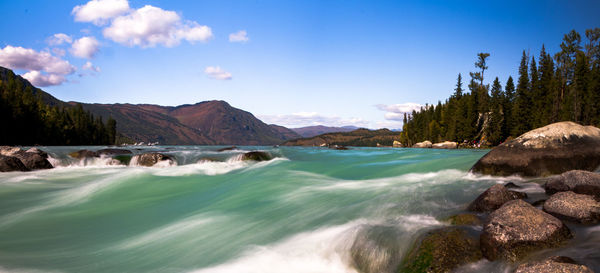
509,100
494,131
521,107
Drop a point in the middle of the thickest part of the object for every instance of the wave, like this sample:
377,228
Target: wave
206,167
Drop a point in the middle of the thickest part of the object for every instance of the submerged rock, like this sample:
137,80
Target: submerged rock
84,154
552,149
150,159
582,182
377,249
517,228
442,250
257,156
424,144
227,149
445,145
574,207
493,198
11,164
557,264
464,219
112,151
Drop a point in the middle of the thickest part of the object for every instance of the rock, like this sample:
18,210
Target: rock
34,159
227,149
338,147
11,164
539,202
83,154
511,185
397,144
573,207
150,159
9,150
552,149
555,264
377,249
517,228
112,152
123,159
582,182
424,144
442,250
464,219
493,198
445,145
257,156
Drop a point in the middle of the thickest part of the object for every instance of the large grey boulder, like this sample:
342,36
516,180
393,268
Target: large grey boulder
377,249
582,182
493,198
442,250
445,145
150,159
517,228
11,164
555,264
424,144
573,207
552,149
33,159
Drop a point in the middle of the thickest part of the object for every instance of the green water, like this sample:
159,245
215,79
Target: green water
296,213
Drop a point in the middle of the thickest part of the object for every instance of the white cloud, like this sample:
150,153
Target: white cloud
59,52
396,111
99,12
59,39
85,47
44,69
239,37
38,79
302,119
150,26
217,73
89,66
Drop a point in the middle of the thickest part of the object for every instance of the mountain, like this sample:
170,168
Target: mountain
360,137
311,131
203,123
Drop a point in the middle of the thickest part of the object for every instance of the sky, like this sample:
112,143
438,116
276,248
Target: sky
292,63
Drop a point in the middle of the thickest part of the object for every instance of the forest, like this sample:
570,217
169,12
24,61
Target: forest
560,87
28,120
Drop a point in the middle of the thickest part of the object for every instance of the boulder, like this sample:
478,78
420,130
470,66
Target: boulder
83,154
573,207
34,159
517,228
582,182
111,152
397,144
377,249
9,150
150,159
556,264
552,149
445,145
11,164
493,198
463,219
442,250
227,149
424,144
257,156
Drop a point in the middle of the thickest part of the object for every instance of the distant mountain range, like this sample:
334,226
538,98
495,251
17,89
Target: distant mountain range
360,137
311,131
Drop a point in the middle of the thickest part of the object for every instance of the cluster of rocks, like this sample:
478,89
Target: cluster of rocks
16,159
440,145
500,225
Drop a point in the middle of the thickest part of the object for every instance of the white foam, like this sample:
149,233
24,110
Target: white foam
323,250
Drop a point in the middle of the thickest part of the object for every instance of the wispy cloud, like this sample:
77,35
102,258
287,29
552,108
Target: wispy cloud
302,119
89,66
59,39
215,72
239,37
44,69
396,111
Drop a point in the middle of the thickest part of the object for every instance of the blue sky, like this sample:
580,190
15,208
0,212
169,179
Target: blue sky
300,62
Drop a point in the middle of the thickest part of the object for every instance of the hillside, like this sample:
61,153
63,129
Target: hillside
360,137
311,131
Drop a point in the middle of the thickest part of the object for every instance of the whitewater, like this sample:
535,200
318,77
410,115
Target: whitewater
213,212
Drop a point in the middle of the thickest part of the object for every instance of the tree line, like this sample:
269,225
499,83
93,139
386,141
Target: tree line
563,87
28,120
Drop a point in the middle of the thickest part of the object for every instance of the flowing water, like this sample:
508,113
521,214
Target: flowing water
298,212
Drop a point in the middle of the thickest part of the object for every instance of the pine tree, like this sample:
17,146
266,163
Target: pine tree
509,99
496,119
521,108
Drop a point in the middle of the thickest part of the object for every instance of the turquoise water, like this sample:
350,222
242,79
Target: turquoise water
296,213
